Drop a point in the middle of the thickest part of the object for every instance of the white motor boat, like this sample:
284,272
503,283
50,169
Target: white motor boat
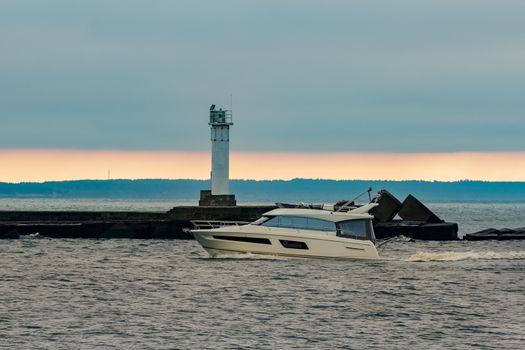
296,232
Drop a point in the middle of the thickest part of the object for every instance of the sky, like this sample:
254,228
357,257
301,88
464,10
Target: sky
43,165
323,79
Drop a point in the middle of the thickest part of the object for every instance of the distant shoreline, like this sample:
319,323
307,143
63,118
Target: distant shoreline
295,190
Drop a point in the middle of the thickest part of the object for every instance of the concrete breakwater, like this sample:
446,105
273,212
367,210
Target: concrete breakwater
175,223
118,224
418,222
92,225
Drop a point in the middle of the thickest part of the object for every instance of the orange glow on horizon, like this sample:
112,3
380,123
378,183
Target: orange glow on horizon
56,165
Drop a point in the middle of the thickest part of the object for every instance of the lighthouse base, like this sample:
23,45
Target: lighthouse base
216,200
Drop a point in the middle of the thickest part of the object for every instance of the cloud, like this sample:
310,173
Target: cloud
305,75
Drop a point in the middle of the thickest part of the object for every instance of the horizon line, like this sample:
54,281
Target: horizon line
263,180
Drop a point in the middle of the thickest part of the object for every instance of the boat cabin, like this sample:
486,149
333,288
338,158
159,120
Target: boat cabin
342,224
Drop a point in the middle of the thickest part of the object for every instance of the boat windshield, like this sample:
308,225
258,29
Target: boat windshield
300,223
358,229
260,220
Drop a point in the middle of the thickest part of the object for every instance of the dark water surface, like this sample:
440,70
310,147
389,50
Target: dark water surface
131,294
85,294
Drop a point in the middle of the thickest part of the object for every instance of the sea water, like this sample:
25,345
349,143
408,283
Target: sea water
132,294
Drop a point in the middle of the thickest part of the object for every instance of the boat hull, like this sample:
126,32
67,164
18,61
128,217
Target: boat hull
274,241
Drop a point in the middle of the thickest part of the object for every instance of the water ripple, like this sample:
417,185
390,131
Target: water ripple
87,294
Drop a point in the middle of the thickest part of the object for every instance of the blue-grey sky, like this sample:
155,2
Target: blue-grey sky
371,75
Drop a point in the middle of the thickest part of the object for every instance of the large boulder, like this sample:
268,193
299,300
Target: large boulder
414,210
388,207
495,234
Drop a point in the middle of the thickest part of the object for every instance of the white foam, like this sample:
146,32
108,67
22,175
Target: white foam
456,256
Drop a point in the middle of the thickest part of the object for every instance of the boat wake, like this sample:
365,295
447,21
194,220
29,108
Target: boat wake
34,236
457,256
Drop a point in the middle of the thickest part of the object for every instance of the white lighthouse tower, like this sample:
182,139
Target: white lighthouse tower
220,122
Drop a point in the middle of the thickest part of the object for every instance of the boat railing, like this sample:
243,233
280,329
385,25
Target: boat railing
209,224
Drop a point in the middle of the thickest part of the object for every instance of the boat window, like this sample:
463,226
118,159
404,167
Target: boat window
300,223
260,220
293,244
244,239
358,229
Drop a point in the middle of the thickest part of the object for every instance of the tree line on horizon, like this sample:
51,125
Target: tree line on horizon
294,190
